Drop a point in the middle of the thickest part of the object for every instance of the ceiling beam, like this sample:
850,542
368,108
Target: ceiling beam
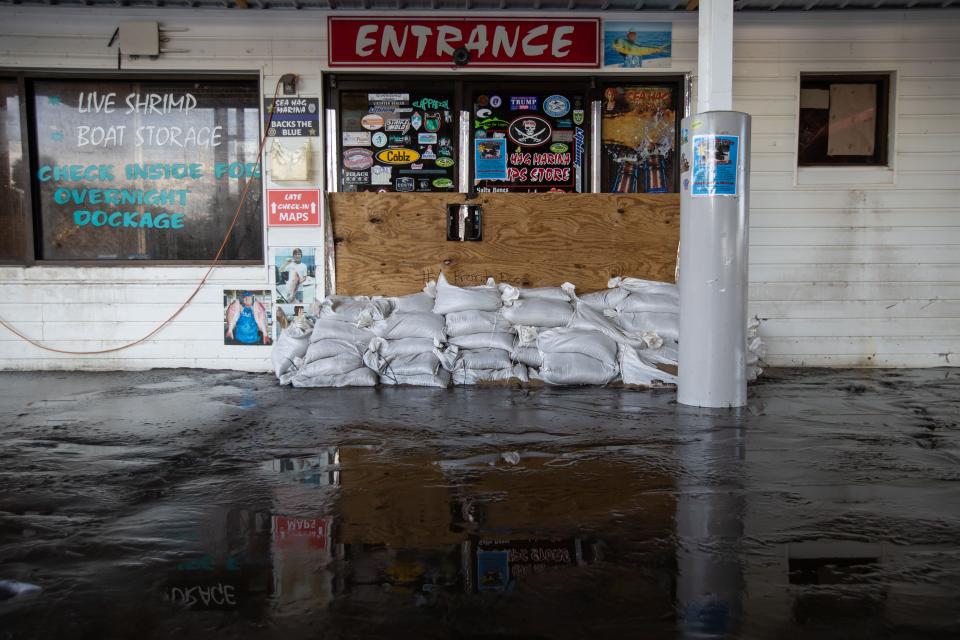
693,5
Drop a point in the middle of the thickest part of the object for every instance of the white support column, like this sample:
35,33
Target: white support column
715,56
714,205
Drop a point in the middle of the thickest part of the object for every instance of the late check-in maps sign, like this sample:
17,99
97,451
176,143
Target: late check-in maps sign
492,42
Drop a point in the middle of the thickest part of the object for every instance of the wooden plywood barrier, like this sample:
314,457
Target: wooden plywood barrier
393,243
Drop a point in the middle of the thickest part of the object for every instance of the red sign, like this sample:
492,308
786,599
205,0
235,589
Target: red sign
492,42
294,533
293,207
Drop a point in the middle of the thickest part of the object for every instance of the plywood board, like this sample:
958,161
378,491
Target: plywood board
391,244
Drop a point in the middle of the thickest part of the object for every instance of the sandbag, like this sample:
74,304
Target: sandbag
440,379
498,340
330,348
416,302
539,313
649,301
639,285
420,324
359,310
425,364
588,319
636,369
462,323
362,377
292,343
483,359
527,355
451,298
664,324
390,349
327,329
478,376
589,343
335,365
600,300
509,293
575,369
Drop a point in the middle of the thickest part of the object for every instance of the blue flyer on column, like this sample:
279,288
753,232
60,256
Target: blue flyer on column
490,158
715,165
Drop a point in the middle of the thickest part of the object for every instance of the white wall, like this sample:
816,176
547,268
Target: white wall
848,272
848,268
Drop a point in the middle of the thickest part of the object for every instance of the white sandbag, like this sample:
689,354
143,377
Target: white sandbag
421,364
589,343
451,298
326,329
411,325
359,310
510,293
440,379
462,323
390,349
478,376
639,285
483,359
539,313
498,340
664,324
600,300
413,303
292,343
335,365
575,369
667,353
529,356
588,319
649,301
330,348
636,369
362,377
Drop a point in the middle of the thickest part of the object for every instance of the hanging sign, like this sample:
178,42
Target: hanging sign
293,117
491,42
293,207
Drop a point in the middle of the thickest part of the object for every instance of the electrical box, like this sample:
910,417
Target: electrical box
139,38
464,222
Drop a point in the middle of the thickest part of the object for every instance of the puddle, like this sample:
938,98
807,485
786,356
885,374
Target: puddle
235,508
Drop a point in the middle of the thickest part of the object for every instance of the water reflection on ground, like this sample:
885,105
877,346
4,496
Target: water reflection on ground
166,503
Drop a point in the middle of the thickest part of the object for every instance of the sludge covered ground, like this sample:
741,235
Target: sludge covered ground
211,504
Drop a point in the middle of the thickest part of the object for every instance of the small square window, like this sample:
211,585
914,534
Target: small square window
843,120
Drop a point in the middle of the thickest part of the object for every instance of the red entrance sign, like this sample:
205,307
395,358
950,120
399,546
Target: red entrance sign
492,42
293,207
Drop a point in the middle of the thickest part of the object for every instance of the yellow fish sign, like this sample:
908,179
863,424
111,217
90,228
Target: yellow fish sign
398,156
627,48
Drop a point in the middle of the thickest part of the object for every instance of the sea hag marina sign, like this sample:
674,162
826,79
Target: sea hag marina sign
491,42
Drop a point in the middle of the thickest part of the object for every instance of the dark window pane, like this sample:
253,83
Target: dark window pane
397,140
150,169
529,140
843,121
13,186
639,131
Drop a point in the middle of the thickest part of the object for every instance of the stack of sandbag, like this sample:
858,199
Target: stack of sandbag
402,349
339,339
479,338
576,357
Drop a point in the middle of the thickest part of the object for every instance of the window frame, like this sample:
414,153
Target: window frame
28,132
881,159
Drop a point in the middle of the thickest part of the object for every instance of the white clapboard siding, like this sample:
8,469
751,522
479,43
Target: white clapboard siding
848,267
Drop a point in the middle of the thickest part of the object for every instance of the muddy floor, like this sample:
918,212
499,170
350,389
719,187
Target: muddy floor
201,504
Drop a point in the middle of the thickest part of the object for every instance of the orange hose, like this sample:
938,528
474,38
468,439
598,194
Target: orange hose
203,280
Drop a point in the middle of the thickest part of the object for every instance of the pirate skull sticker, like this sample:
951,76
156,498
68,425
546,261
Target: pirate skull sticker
530,131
